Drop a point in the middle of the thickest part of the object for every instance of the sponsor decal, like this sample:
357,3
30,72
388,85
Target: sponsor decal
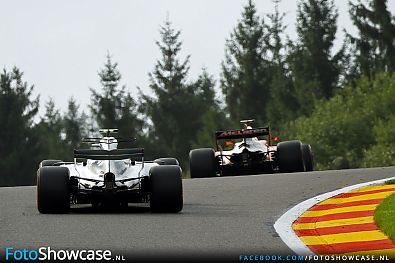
243,132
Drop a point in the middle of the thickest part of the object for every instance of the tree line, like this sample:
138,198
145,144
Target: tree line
340,101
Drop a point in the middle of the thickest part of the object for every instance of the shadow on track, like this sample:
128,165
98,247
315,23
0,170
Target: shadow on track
107,209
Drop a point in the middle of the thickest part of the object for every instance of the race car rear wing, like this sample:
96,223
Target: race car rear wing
117,154
245,133
108,140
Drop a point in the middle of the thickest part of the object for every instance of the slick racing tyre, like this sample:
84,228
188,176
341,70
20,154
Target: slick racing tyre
166,189
202,163
48,163
290,157
167,161
308,157
53,195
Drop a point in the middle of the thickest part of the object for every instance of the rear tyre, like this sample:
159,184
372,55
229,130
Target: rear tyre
166,189
202,163
53,194
167,161
290,157
48,163
308,157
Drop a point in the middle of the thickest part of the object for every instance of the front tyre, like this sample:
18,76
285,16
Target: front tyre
202,163
166,189
53,194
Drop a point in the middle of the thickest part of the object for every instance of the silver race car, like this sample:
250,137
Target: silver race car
104,174
249,151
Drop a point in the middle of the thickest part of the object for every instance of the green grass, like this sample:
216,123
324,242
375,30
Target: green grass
384,215
390,181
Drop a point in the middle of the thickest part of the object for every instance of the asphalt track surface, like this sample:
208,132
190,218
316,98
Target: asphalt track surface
222,218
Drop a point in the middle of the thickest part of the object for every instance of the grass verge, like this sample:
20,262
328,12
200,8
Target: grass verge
390,181
384,216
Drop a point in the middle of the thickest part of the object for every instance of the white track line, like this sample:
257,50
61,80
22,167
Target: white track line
283,225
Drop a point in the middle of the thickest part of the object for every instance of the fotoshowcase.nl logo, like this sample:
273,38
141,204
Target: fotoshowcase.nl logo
48,254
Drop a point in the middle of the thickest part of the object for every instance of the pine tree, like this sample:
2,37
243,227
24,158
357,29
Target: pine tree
113,106
283,103
213,117
50,131
375,45
52,116
74,125
174,108
204,88
315,70
18,140
105,106
245,78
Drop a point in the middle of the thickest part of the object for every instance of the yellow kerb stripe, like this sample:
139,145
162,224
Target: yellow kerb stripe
355,198
331,223
344,237
339,210
372,188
